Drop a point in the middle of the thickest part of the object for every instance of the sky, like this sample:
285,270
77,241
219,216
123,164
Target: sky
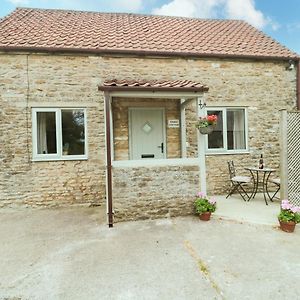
280,19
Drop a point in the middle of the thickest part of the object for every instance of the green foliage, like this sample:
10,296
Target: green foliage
289,216
204,205
209,120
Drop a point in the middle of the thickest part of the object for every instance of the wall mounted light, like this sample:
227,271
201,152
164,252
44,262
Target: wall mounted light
202,105
291,65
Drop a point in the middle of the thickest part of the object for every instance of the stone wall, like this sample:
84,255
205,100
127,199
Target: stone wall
154,191
51,82
41,80
191,134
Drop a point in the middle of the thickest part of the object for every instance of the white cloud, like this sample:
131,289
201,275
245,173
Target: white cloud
275,25
245,10
233,9
189,8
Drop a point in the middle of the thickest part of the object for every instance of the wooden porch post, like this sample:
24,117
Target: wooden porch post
283,156
201,146
183,128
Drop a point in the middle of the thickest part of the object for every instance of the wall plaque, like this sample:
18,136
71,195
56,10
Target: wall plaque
173,123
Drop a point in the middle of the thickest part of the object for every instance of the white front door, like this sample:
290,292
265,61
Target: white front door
147,133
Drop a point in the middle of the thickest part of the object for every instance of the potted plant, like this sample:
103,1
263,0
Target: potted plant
205,206
289,216
207,124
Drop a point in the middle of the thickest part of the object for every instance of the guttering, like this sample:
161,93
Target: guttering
298,84
142,53
108,159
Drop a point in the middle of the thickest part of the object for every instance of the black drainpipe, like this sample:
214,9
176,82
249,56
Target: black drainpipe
108,159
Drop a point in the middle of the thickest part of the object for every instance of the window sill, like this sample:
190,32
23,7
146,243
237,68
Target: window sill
38,159
227,152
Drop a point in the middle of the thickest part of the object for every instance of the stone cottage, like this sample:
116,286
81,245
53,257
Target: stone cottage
101,108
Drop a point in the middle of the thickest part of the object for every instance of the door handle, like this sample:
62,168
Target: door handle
162,147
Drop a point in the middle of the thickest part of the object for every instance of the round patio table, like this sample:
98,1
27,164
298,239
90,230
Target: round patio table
256,174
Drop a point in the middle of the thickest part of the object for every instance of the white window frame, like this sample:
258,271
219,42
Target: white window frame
58,122
225,150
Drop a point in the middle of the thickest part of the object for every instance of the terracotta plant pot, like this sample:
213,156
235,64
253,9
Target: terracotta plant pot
206,130
205,216
287,226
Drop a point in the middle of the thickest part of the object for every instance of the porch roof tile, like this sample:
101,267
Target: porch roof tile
128,84
76,31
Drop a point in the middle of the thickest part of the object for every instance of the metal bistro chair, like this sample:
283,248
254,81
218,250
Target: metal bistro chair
238,182
276,182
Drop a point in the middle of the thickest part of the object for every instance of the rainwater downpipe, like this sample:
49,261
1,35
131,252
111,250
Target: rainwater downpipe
108,159
298,84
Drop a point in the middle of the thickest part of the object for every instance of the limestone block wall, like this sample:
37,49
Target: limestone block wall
152,192
42,80
191,134
120,124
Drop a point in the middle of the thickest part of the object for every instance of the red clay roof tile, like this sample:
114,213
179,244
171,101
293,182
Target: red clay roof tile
154,84
61,30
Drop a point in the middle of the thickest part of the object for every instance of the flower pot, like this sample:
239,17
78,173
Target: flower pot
206,130
287,226
205,216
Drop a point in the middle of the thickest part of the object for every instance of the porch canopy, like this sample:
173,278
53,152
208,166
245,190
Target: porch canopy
179,89
154,85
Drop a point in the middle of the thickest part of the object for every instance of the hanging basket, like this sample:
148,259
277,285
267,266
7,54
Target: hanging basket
206,130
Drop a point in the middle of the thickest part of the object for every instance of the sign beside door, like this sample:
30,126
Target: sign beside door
173,123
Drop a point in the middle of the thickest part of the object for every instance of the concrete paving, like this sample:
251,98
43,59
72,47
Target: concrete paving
254,211
72,254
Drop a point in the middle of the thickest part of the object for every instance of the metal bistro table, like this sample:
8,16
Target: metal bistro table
255,173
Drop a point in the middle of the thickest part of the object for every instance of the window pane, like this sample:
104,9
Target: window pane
236,129
215,139
46,133
73,132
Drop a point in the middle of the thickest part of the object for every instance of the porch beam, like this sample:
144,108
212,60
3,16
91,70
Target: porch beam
157,94
109,199
183,127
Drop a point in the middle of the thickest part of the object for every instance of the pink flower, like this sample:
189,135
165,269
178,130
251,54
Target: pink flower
295,209
201,195
212,200
286,206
